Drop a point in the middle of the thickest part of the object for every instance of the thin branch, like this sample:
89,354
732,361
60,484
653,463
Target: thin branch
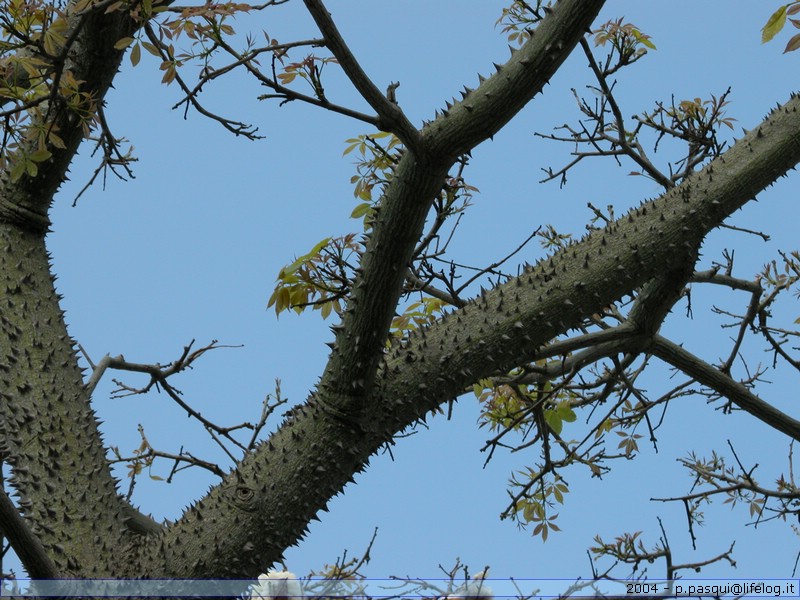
235,127
287,94
637,155
390,117
723,384
28,547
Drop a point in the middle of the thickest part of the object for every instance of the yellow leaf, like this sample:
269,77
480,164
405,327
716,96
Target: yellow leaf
123,43
326,309
151,49
774,25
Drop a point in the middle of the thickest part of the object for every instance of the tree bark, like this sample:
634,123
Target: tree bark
48,431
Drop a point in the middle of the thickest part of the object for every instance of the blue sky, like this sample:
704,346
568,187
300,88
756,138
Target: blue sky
191,247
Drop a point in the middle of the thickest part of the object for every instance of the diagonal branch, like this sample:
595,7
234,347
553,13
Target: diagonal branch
390,117
28,547
485,110
724,385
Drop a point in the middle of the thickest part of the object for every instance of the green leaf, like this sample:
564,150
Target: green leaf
326,309
40,155
302,259
774,25
553,420
643,39
566,413
17,171
136,55
360,210
647,43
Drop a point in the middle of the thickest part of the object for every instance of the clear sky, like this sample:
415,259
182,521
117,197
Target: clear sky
191,247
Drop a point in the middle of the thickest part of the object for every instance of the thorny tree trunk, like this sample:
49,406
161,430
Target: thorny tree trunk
365,397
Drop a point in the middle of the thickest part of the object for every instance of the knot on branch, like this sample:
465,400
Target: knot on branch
24,217
657,297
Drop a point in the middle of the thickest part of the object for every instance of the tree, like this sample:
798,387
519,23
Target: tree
60,65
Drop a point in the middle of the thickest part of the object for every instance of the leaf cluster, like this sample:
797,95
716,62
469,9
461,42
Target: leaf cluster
518,19
319,278
627,41
33,42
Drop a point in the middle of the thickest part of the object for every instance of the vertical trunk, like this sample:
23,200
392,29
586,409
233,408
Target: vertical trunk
49,432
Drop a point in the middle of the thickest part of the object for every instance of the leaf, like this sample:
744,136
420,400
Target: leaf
302,259
643,39
553,420
326,309
566,413
136,55
40,155
774,25
123,43
17,171
151,49
360,210
792,45
169,74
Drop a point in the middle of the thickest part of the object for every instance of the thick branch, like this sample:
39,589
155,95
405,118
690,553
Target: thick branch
265,505
485,110
48,431
347,382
